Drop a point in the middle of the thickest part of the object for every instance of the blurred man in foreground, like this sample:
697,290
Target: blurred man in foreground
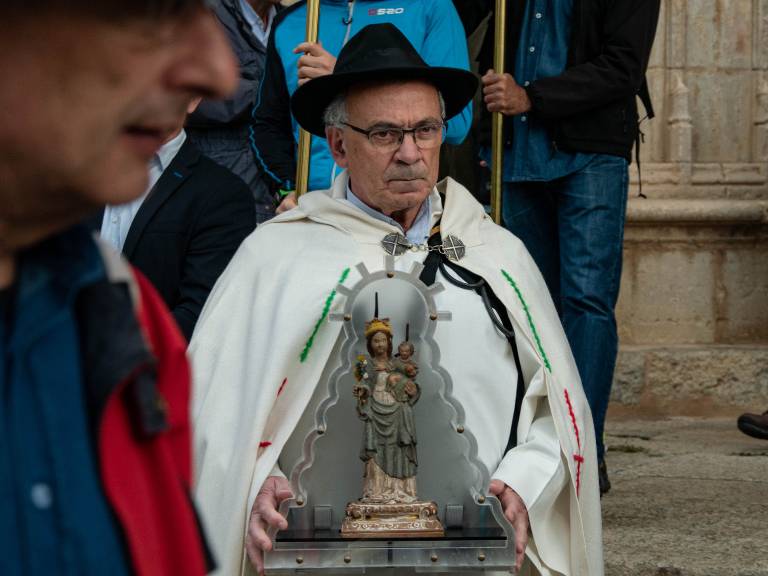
94,432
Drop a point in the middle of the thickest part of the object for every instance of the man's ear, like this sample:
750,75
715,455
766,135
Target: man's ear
335,137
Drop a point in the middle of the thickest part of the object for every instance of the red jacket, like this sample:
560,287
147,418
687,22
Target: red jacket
138,387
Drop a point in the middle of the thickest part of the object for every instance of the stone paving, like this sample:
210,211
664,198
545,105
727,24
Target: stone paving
689,498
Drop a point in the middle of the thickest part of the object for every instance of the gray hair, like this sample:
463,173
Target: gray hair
335,115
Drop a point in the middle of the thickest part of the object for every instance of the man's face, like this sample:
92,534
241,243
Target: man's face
87,102
390,181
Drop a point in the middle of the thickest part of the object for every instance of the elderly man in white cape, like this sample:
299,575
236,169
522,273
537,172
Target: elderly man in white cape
264,339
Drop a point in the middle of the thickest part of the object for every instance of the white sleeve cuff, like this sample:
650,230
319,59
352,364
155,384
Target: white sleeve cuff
532,465
276,471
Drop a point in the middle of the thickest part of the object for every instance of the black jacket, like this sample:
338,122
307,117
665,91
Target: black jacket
188,229
221,128
592,106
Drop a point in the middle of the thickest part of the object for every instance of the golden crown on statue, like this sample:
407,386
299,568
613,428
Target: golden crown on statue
378,325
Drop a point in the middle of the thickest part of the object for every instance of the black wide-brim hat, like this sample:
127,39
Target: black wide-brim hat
380,53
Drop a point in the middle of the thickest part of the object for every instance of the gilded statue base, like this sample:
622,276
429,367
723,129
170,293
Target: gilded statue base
412,520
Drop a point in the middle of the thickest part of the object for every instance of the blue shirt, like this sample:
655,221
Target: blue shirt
54,517
542,53
418,233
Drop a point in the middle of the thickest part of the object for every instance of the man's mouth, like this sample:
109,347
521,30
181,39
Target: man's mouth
145,140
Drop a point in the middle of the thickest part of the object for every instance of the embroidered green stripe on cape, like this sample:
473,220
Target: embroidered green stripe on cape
323,316
530,319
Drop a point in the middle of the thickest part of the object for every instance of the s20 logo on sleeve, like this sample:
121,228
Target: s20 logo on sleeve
385,11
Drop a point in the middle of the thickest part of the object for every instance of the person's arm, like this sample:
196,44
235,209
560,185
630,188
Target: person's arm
237,108
271,134
222,224
535,462
531,476
618,72
221,112
446,45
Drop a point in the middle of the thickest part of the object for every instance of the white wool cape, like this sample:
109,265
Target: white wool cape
251,386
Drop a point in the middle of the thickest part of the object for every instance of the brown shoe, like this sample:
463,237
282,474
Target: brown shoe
755,425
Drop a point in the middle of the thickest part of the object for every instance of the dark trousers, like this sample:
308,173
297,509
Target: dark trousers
574,229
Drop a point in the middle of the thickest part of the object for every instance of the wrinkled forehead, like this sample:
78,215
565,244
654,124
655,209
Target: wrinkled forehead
400,102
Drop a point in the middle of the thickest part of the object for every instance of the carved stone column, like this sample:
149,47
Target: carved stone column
680,126
761,120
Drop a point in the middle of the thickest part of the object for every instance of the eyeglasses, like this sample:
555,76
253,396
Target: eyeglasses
425,136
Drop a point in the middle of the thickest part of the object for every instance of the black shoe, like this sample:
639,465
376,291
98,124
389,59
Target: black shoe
755,425
602,477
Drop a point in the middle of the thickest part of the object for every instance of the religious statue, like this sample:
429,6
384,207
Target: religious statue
386,391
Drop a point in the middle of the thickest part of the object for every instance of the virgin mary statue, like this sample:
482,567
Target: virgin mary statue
385,397
386,392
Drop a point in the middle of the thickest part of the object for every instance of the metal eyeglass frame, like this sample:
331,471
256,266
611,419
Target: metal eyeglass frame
403,132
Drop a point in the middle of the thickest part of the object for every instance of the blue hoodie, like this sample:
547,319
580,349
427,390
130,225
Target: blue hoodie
432,26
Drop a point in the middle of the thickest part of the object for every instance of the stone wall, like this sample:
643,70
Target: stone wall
708,76
693,312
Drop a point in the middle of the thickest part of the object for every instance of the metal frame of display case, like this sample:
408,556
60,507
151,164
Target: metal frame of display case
478,537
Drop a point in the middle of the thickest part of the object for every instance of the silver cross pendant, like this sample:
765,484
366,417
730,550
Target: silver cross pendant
395,244
453,248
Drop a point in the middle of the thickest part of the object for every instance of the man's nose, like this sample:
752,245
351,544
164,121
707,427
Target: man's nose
408,152
206,65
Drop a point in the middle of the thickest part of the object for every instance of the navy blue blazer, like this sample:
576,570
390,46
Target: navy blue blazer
188,229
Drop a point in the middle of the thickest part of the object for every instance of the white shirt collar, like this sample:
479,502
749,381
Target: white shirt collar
259,29
168,151
118,219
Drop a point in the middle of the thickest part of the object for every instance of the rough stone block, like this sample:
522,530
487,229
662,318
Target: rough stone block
655,174
723,375
628,378
744,311
721,104
752,173
720,33
747,193
667,296
760,35
711,173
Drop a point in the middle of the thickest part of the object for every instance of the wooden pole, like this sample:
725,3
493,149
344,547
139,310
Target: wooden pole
305,138
497,119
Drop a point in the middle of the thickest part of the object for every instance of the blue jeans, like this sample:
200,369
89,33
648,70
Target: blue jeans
574,229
